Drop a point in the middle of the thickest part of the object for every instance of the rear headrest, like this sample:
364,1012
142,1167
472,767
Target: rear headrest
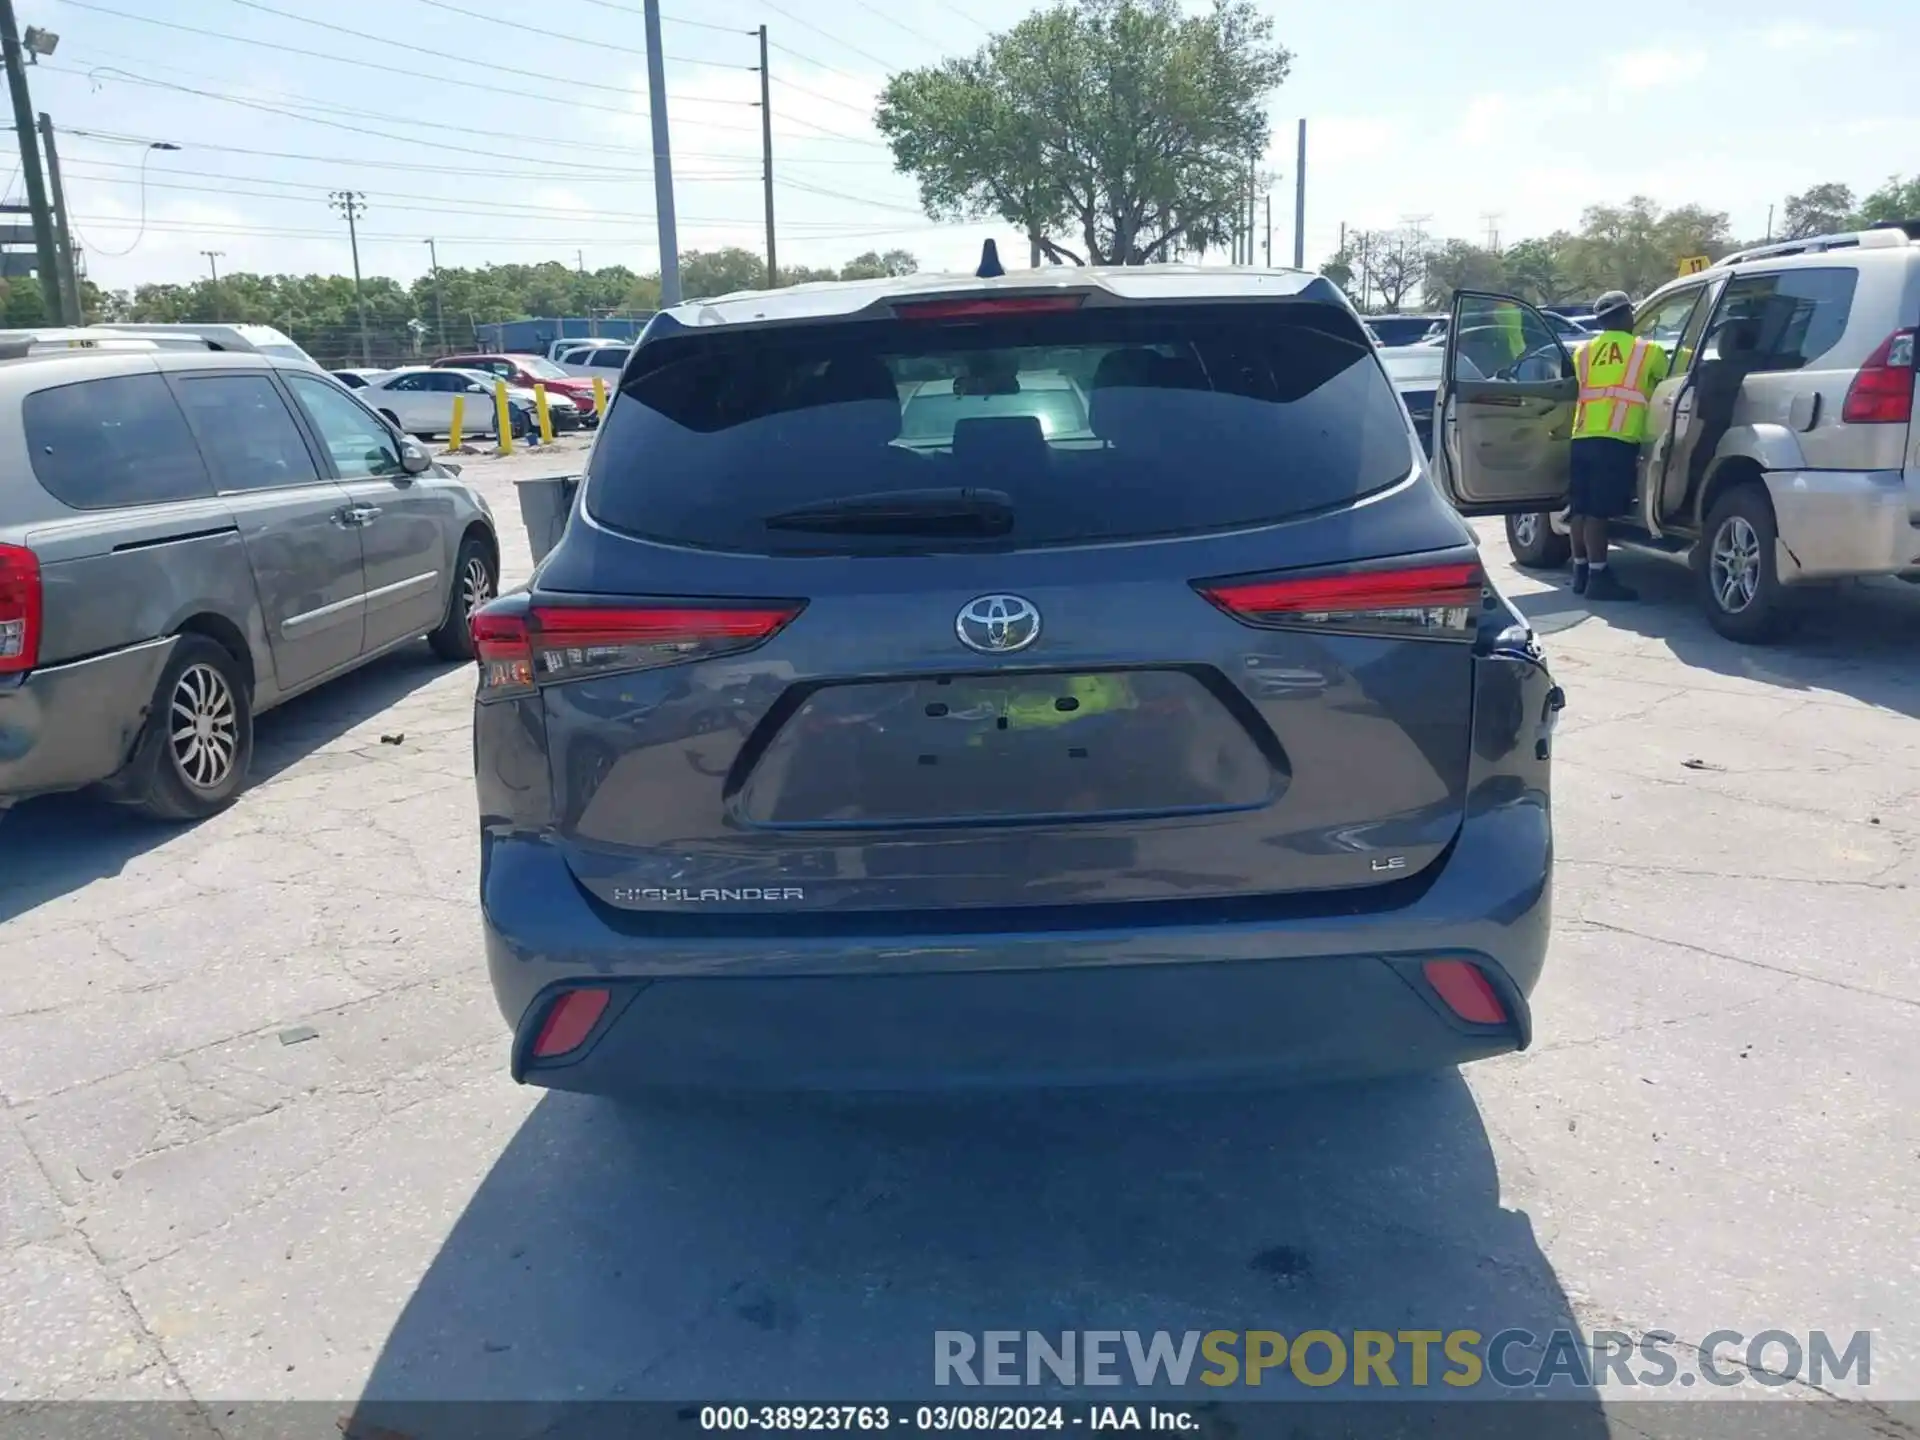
1107,413
863,390
1000,439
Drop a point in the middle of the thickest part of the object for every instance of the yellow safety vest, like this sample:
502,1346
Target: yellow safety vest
1617,374
1097,694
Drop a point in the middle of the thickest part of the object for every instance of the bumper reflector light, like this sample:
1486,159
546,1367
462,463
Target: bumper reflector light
1465,991
569,1022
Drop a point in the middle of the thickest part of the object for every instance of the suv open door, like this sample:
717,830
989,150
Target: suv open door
1504,411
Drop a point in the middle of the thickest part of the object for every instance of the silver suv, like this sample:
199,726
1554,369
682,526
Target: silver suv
186,540
1812,476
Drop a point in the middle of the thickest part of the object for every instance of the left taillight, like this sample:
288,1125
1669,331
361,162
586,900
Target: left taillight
1436,602
20,609
520,647
1882,389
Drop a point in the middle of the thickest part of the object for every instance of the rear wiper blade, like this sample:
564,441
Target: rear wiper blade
944,510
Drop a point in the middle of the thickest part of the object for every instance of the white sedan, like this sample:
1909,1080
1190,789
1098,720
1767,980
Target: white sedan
419,400
590,360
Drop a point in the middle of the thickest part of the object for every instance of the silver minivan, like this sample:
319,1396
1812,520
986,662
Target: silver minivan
189,539
1816,478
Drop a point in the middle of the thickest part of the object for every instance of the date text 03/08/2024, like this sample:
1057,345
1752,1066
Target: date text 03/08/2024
941,1419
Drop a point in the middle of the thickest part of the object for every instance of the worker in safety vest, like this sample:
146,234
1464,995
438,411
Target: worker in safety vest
1617,372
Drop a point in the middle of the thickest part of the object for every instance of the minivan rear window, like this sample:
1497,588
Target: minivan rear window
102,444
1109,423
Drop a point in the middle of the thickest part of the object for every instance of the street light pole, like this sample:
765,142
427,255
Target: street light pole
47,257
439,302
766,156
213,271
662,162
352,204
72,311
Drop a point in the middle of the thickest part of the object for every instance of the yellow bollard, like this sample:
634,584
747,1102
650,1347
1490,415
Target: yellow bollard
459,423
546,415
599,398
502,417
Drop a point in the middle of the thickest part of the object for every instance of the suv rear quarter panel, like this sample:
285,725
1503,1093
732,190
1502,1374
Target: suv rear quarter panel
1886,296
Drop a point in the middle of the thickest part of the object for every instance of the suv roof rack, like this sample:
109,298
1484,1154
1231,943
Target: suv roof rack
1879,236
18,344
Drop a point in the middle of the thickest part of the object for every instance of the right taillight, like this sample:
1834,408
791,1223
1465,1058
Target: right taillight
1882,390
520,647
1434,601
20,601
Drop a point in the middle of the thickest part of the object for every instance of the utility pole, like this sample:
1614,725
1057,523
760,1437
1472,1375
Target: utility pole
213,271
1492,219
439,302
72,311
766,153
1269,229
662,161
352,204
1300,202
1769,224
1252,203
47,259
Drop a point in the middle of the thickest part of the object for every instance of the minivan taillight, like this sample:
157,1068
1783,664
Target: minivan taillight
20,593
1439,602
522,648
1882,390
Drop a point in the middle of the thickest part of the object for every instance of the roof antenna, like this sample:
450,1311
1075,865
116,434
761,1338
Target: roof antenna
990,266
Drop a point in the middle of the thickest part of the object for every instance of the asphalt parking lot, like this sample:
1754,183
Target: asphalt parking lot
1717,1127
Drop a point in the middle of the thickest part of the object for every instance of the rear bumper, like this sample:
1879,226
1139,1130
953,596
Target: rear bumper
68,726
1336,995
1837,523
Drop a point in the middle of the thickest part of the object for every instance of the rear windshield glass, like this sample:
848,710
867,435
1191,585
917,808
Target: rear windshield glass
1098,425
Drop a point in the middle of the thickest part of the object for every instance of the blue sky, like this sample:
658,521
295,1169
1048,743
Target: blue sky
1454,112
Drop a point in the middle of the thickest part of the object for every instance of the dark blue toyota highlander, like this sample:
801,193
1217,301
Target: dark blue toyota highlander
1060,677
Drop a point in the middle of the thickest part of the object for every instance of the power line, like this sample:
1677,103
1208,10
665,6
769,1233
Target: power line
306,103
597,43
199,227
434,54
809,60
405,201
609,174
847,45
875,10
411,75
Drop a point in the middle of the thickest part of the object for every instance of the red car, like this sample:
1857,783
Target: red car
527,371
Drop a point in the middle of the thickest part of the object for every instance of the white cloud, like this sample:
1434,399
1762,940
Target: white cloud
1794,36
1655,67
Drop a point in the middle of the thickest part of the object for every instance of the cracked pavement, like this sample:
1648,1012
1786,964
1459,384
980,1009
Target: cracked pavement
1718,1125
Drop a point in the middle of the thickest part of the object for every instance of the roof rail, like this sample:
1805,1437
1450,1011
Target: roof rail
1875,237
17,344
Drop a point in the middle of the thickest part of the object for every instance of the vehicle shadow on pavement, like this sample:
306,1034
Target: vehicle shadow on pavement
694,1250
53,846
1858,639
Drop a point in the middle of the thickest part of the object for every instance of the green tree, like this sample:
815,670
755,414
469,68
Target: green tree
1637,246
704,274
874,266
1898,199
1817,210
1126,123
1535,270
1462,265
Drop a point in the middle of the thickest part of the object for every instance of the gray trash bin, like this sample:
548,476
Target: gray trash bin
546,502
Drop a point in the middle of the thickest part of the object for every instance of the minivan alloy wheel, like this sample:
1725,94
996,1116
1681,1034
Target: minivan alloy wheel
476,584
205,727
1526,528
1735,564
